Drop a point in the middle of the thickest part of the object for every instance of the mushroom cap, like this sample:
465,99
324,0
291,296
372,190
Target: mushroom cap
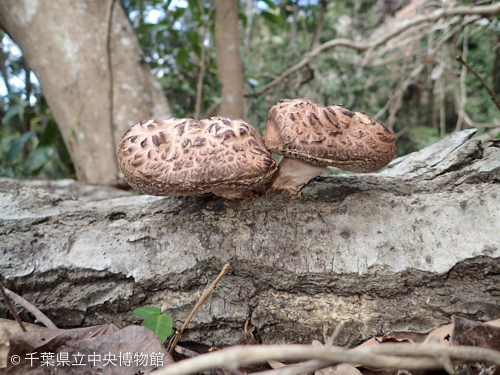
302,129
186,157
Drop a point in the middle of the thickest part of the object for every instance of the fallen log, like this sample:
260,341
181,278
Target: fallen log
403,249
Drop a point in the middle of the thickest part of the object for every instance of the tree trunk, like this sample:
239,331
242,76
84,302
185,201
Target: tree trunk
249,13
229,65
400,250
65,43
293,28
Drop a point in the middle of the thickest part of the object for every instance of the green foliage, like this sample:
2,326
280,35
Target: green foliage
160,324
271,17
31,144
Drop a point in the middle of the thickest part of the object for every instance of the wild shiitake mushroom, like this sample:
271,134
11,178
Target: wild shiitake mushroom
312,137
179,157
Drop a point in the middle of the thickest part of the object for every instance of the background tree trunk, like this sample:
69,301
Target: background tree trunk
65,43
229,65
400,250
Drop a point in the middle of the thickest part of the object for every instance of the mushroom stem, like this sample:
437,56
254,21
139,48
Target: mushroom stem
292,175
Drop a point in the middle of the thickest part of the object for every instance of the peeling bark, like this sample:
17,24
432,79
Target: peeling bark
399,250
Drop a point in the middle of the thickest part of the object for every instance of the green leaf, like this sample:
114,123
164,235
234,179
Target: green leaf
37,158
196,43
270,4
17,146
181,56
160,324
15,110
5,142
153,27
7,172
271,17
195,7
177,13
244,19
144,312
49,134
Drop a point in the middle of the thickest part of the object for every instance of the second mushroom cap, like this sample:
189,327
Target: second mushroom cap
316,136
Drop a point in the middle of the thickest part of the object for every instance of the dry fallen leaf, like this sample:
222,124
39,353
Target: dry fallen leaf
341,369
275,364
252,337
385,340
440,335
7,328
472,333
100,349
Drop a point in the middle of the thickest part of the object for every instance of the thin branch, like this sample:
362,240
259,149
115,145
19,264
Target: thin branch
178,333
394,102
480,79
11,308
3,65
442,108
393,356
191,353
239,356
473,124
298,368
485,11
398,94
488,136
463,76
40,316
461,354
335,335
319,23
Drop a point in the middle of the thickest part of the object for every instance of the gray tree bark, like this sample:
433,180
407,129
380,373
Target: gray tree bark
65,43
229,65
400,250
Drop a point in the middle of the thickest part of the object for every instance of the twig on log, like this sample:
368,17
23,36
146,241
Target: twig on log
487,10
178,333
40,316
480,79
11,308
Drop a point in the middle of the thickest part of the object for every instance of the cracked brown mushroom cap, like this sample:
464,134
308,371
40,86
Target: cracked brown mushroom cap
311,137
180,157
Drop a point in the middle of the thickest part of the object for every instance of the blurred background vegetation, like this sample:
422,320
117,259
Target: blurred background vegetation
413,83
